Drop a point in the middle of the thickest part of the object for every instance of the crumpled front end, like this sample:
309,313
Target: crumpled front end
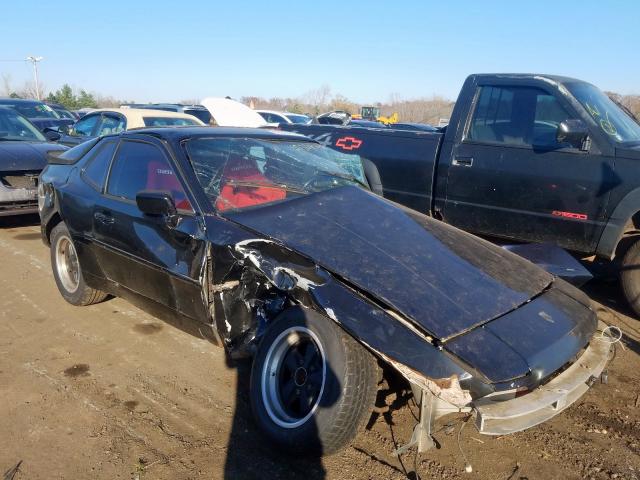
499,417
512,355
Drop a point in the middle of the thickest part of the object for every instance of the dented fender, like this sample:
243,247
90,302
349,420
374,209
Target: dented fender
264,278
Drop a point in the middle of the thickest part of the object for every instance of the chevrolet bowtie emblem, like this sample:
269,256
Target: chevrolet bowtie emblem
348,143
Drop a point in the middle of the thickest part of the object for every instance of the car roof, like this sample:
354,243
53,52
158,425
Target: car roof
527,76
181,133
8,100
135,116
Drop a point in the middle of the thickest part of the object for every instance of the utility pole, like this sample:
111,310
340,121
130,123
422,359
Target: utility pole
34,60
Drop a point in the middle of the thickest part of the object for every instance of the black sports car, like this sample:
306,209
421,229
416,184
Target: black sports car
23,152
272,245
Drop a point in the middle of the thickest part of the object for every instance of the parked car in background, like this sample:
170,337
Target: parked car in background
274,118
265,241
23,150
198,111
106,121
62,111
525,158
38,113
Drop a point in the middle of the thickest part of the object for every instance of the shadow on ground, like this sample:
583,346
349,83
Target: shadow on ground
613,309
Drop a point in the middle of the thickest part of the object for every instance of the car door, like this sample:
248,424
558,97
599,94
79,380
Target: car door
147,254
510,178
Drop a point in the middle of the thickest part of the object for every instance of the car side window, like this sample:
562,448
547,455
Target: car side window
95,171
84,127
517,116
142,166
111,124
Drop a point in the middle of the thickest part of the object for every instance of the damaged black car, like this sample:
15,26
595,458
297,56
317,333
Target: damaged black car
272,245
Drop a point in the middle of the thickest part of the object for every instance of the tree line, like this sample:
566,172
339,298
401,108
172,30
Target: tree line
423,110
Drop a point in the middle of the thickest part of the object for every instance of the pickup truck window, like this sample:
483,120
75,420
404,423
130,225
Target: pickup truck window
521,116
609,117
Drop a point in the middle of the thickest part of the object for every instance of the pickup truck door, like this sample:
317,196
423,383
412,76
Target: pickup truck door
508,176
145,254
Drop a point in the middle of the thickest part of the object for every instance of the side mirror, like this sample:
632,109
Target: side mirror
157,204
573,132
51,135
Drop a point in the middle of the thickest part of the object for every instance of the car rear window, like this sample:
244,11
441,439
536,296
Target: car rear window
168,122
203,115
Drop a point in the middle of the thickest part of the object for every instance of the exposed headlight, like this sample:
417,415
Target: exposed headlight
41,196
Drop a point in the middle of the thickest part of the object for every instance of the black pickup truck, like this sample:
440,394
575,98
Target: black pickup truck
531,158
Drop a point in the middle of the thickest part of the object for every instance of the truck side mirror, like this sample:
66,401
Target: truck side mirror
573,132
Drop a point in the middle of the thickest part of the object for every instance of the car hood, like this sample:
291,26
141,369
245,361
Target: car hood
447,281
229,113
46,122
23,155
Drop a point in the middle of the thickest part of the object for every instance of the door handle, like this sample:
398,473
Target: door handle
462,161
104,218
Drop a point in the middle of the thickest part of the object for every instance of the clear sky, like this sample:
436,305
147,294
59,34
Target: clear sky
365,50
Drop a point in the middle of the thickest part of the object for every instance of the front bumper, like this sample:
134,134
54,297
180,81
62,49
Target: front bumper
16,201
509,416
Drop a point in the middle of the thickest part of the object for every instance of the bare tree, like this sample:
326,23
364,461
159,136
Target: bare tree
6,84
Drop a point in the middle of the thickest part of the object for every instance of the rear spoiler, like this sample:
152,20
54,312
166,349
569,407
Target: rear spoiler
71,156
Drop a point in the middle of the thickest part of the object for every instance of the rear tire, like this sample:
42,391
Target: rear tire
312,385
67,271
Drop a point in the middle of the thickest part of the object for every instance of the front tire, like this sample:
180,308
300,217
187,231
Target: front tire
312,385
67,271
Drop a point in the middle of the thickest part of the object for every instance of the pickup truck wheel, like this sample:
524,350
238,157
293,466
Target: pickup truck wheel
312,385
630,277
67,271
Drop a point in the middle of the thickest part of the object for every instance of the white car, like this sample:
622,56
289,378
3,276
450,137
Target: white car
275,118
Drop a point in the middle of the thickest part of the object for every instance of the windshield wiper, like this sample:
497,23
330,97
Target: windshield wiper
275,186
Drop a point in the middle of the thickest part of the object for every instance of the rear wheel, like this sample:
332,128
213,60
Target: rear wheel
67,271
312,385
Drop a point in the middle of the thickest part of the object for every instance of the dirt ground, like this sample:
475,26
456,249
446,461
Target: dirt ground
110,392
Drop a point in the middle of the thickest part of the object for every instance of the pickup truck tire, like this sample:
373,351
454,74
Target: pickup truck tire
67,271
630,276
312,385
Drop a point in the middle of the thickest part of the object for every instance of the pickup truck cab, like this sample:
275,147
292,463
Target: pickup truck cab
531,158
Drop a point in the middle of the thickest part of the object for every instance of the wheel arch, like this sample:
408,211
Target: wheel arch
50,224
624,223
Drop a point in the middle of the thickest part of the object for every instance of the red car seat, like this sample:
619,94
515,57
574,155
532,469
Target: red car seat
242,169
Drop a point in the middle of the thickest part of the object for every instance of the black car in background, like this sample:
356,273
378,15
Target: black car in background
62,111
38,113
271,245
23,150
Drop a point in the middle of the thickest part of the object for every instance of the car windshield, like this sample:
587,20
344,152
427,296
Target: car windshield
169,122
65,114
239,173
295,118
34,110
15,127
610,118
